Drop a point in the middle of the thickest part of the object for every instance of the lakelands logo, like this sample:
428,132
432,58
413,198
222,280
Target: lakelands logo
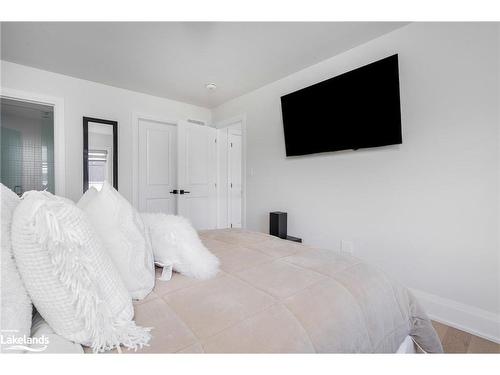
9,340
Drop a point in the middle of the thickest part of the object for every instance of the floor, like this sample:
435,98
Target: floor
456,341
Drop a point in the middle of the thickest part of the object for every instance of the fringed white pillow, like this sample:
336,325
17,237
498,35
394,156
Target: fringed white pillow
16,307
69,276
175,243
124,237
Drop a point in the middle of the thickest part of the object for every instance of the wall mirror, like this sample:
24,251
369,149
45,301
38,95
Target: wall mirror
100,153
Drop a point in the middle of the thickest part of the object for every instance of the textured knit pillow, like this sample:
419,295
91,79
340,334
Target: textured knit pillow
55,343
123,233
69,276
16,307
175,243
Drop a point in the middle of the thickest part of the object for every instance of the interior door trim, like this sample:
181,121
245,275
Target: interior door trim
59,139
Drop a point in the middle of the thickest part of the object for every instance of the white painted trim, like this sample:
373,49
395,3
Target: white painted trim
136,116
59,140
467,318
224,124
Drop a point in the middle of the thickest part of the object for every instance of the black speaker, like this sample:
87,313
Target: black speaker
277,224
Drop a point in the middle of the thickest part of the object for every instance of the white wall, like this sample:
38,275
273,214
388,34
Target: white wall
426,211
85,98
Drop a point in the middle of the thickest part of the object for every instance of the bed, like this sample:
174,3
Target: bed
277,296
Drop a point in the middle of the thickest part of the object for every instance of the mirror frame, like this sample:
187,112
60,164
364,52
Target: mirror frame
86,121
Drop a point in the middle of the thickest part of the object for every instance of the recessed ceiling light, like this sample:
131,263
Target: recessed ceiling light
211,86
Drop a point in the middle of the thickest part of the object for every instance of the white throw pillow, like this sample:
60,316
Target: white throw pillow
87,197
46,341
175,242
69,276
124,236
16,307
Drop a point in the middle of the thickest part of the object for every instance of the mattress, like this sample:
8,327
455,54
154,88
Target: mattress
277,296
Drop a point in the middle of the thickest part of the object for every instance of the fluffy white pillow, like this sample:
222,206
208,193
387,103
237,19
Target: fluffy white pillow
16,307
87,197
124,236
69,276
176,243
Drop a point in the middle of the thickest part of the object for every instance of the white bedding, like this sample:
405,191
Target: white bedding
407,346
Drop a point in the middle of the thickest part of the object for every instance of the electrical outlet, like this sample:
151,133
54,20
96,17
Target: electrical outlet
347,247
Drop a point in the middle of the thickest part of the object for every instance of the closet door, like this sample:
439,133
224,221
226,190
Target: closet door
234,174
197,174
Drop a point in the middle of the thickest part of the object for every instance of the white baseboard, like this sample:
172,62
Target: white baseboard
464,317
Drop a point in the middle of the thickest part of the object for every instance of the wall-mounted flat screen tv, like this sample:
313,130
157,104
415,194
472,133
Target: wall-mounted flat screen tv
357,109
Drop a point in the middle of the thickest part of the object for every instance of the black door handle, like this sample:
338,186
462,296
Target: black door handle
183,191
174,192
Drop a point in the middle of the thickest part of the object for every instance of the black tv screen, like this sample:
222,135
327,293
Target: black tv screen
357,109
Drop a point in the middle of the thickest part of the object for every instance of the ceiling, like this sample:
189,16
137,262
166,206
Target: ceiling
176,60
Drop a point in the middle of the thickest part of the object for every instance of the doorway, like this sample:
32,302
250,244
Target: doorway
176,170
59,144
27,146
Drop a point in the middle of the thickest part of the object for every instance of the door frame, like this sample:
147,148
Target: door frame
59,141
224,124
136,116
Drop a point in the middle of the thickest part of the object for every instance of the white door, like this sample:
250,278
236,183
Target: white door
157,166
197,174
234,174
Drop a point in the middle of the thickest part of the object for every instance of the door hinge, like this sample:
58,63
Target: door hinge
231,185
215,140
231,225
231,144
215,185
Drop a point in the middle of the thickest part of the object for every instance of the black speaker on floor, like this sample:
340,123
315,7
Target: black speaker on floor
277,224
